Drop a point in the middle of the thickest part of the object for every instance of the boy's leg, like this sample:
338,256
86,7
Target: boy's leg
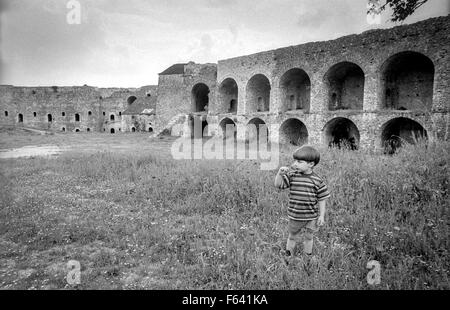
311,227
290,244
308,242
295,228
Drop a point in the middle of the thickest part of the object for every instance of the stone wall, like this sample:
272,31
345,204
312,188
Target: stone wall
358,83
74,109
176,92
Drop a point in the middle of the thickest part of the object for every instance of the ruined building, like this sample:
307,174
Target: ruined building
361,89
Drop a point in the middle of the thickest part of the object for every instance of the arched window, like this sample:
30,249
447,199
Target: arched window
20,118
49,118
200,97
111,117
77,117
295,88
258,94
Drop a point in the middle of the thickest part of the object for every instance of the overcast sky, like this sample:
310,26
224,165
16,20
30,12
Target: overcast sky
126,43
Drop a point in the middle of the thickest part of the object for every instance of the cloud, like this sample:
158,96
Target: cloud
126,43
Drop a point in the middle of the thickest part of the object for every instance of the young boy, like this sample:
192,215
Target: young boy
307,197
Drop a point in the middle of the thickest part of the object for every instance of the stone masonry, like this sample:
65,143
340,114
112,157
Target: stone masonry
362,89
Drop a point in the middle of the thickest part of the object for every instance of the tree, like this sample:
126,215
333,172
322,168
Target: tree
401,9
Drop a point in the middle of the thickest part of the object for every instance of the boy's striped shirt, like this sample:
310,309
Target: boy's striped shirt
305,191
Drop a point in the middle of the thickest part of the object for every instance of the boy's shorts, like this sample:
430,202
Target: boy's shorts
295,227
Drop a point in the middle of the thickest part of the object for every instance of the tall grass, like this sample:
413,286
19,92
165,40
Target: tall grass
147,221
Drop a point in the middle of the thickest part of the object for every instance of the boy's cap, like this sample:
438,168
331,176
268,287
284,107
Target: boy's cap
307,153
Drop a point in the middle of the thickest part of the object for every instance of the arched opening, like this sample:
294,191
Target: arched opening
257,130
198,127
104,113
77,117
63,129
49,118
89,113
398,131
131,99
295,90
150,129
111,117
228,94
341,132
293,131
20,118
133,129
112,130
229,129
63,114
258,94
120,113
407,82
77,130
88,130
200,97
34,114
6,113
345,83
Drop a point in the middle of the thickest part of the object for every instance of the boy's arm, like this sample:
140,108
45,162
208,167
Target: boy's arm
321,219
279,177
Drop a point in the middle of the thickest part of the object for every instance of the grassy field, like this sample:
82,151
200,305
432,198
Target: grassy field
137,219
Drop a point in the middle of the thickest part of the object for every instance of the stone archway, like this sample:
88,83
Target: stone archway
258,94
131,99
293,131
228,128
257,130
200,97
295,90
228,96
345,84
398,131
198,126
341,132
407,82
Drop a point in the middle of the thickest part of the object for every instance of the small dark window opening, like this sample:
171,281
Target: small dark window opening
6,113
150,129
77,130
20,118
64,129
77,117
34,114
89,113
111,117
133,129
120,113
89,129
63,113
112,130
120,129
104,113
49,118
